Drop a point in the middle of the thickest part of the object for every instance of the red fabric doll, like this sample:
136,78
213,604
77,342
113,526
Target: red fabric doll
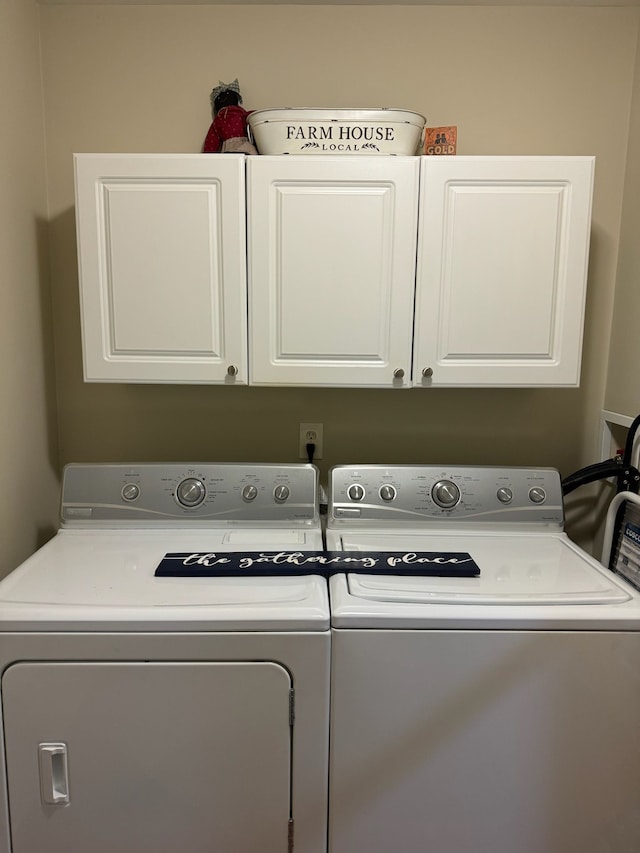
228,131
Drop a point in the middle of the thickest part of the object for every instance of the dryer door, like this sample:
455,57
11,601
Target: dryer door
148,757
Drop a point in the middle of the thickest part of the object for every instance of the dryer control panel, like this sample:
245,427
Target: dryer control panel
224,494
416,494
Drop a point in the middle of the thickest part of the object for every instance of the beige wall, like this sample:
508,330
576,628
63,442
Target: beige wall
28,455
515,80
623,385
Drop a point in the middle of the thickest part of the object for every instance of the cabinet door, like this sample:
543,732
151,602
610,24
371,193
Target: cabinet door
148,757
332,245
162,257
502,267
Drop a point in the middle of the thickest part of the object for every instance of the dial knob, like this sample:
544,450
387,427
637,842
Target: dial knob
130,491
445,494
249,493
355,492
504,495
281,493
387,492
537,495
191,492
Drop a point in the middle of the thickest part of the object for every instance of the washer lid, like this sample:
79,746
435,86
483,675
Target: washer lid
104,580
514,570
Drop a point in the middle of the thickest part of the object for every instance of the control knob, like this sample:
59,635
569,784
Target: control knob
537,495
387,492
191,492
355,492
130,491
249,493
445,494
281,493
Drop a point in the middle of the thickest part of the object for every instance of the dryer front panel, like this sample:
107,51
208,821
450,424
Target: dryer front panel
148,757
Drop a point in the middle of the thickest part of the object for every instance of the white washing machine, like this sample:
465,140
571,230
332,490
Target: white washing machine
146,714
489,714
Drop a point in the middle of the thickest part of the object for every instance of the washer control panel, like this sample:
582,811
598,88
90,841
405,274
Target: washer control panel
161,494
413,494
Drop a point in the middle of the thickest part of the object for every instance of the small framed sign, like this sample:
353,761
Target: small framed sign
441,140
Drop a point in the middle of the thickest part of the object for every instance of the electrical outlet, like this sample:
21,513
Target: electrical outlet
310,434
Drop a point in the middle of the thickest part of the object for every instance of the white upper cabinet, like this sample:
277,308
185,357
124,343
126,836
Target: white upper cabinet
502,265
162,248
332,246
385,272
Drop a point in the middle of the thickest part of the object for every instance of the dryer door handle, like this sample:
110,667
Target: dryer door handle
54,773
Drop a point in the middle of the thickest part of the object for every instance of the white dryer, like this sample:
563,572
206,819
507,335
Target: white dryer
146,714
489,714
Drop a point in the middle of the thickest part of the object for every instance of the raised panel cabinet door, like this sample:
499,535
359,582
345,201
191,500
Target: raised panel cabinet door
502,270
148,757
162,261
332,244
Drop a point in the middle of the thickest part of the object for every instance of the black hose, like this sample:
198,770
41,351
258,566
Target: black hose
631,437
599,471
620,467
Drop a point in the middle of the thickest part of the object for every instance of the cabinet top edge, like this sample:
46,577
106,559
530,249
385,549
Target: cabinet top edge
141,155
326,157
